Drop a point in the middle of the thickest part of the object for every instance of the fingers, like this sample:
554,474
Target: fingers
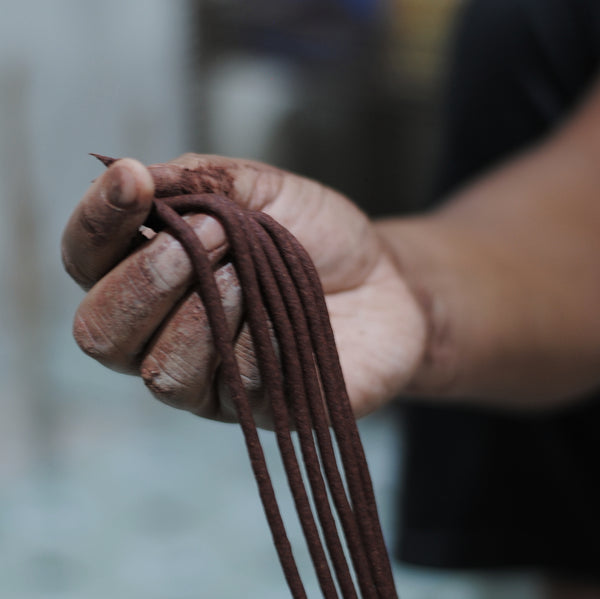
181,367
180,363
103,225
140,315
121,313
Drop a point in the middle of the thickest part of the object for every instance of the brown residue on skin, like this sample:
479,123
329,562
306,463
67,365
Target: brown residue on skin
172,179
182,358
114,320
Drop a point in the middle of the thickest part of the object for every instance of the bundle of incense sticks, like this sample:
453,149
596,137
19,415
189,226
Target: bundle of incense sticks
301,374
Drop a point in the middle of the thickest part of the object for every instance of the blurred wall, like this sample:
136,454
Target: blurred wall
342,91
75,77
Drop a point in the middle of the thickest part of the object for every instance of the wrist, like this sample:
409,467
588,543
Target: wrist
418,253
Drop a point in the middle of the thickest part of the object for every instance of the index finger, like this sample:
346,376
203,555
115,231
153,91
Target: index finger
251,184
101,229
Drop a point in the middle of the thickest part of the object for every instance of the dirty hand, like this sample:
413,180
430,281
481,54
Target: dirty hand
141,315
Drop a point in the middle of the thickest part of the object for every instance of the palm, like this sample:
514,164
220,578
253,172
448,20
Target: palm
377,324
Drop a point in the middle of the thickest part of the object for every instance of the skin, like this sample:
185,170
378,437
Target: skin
508,270
492,299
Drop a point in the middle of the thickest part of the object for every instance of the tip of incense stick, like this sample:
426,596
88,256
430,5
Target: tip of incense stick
105,160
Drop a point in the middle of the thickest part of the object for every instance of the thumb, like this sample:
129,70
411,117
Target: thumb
102,226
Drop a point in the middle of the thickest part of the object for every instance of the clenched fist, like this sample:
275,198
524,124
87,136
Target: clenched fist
141,314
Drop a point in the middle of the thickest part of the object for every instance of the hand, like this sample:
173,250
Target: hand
141,316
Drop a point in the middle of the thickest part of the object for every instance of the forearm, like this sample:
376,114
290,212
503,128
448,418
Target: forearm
507,273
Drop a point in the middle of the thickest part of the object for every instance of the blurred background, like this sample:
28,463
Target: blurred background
103,491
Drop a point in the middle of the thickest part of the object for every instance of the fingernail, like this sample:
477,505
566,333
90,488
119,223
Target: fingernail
122,187
211,233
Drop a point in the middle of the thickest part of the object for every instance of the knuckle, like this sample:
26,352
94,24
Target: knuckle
230,291
268,185
167,386
152,273
94,340
163,265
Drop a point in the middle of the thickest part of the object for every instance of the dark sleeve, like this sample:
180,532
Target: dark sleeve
517,68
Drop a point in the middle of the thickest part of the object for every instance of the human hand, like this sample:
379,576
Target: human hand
141,315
